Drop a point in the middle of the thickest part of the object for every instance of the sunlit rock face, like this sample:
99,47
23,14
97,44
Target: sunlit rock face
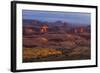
44,28
32,53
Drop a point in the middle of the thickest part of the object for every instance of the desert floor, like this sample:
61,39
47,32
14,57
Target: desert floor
56,47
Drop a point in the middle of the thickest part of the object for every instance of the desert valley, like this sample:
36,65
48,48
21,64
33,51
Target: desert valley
55,41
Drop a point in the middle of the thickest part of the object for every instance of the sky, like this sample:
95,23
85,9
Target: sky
53,16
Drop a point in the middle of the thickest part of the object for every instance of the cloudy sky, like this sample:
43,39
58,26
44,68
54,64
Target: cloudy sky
51,16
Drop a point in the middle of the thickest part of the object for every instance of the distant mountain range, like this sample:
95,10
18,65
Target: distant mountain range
56,23
54,26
